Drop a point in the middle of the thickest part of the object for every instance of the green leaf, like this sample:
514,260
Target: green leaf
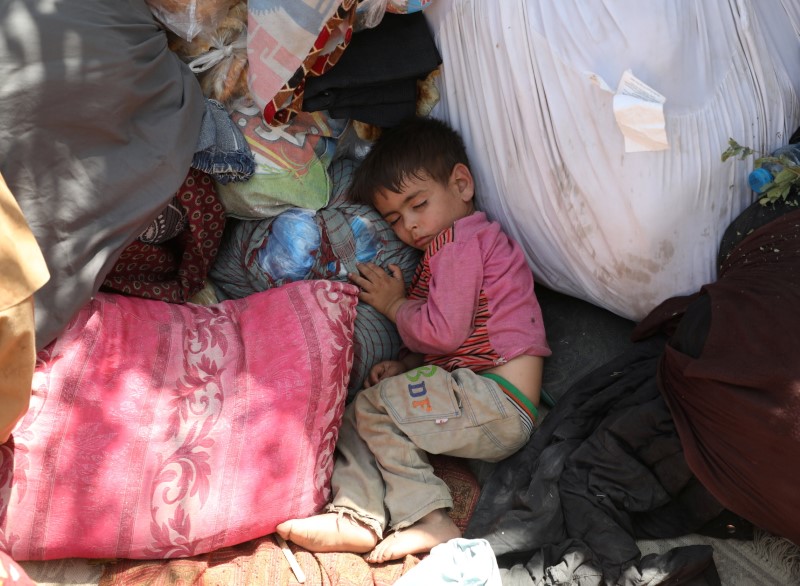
736,150
785,176
788,177
782,191
775,193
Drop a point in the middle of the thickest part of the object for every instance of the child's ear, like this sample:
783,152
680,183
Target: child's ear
461,178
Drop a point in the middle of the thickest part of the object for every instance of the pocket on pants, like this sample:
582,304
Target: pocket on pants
486,407
423,394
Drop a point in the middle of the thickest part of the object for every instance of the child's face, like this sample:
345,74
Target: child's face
425,207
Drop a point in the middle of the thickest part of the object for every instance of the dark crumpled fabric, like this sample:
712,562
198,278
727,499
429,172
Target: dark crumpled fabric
730,373
375,80
568,564
614,461
605,468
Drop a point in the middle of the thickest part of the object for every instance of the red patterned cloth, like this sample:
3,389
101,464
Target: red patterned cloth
176,269
287,103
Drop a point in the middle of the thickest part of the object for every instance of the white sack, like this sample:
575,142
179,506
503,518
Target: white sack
623,230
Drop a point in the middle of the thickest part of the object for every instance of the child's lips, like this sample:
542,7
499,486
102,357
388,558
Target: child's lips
422,241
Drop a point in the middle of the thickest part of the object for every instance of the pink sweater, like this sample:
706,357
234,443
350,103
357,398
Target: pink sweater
472,303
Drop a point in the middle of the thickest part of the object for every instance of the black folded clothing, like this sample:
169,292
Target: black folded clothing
375,79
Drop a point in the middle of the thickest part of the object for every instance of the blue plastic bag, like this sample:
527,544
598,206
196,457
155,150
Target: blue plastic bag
290,249
367,242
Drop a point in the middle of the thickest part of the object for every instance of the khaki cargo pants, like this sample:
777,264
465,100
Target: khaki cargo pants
382,476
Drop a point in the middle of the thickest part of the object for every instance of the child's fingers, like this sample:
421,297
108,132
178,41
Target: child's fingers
369,270
396,272
358,280
374,376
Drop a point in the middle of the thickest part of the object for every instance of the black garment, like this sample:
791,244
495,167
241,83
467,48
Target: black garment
375,79
605,468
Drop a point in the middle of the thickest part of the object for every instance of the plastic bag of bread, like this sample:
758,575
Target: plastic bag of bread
219,57
189,18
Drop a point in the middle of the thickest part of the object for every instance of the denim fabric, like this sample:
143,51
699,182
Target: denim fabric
221,150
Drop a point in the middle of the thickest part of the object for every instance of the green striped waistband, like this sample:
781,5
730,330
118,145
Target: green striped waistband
515,394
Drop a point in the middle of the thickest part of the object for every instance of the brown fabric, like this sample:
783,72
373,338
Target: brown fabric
176,269
261,561
22,265
22,272
17,361
737,405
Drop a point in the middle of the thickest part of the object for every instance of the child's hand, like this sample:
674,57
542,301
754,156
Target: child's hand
382,370
383,291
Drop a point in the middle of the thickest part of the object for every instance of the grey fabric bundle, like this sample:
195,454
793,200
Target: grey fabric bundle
99,123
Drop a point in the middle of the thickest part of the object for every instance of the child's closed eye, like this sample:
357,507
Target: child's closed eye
419,205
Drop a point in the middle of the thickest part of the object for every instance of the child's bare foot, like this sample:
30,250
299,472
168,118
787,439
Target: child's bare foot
434,528
328,532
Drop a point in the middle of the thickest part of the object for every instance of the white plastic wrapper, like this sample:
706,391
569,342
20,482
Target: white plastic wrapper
189,18
616,191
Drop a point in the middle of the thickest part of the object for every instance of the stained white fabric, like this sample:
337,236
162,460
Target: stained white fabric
621,230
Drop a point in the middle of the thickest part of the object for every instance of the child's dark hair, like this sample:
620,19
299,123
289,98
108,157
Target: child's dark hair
417,147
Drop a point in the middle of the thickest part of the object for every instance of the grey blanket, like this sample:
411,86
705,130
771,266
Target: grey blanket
98,125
